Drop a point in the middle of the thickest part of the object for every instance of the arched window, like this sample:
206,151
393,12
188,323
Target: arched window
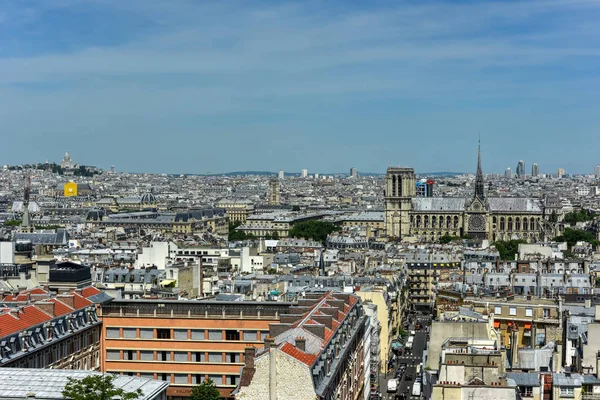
510,224
418,221
448,222
455,222
517,224
427,221
502,224
494,220
532,224
434,222
441,222
525,224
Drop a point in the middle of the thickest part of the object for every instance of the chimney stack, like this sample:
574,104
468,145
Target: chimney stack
249,355
273,371
301,343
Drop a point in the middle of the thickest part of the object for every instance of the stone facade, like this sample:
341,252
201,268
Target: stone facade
429,218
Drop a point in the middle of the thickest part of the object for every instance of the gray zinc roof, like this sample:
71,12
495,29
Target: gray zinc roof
438,203
518,204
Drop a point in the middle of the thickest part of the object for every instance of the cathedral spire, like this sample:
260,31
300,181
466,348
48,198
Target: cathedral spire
479,184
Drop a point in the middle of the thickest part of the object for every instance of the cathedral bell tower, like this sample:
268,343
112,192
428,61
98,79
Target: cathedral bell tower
400,188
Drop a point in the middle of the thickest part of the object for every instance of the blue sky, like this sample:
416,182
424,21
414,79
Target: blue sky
199,86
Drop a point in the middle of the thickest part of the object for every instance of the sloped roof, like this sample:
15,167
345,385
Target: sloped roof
438,203
60,308
28,316
518,204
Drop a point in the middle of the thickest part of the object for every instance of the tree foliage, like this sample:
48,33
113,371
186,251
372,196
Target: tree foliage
508,249
578,216
447,239
96,387
572,236
235,235
205,391
12,222
313,229
295,208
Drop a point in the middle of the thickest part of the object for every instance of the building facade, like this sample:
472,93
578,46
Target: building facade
184,342
430,218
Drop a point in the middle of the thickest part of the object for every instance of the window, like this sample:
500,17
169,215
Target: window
529,312
233,357
512,311
129,333
567,392
199,357
165,356
181,334
233,380
181,379
232,335
164,377
198,334
181,356
251,335
198,379
546,313
215,357
217,379
130,355
146,355
112,333
163,333
146,333
113,355
215,335
498,310
146,375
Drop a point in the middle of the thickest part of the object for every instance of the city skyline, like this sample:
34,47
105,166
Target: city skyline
233,86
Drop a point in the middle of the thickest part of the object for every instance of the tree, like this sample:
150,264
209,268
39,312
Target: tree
96,387
572,236
295,208
447,239
205,391
12,222
313,229
508,249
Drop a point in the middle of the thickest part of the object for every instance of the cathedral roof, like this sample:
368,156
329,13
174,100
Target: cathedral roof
438,203
518,204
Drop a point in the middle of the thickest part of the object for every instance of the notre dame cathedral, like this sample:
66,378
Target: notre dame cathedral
429,218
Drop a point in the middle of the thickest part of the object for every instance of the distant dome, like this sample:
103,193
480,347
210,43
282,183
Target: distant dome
148,198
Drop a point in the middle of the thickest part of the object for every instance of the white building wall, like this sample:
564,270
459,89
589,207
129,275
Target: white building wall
7,254
157,254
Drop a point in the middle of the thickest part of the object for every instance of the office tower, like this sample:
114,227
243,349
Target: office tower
521,169
508,173
597,171
274,192
303,173
560,172
353,172
535,170
316,175
280,174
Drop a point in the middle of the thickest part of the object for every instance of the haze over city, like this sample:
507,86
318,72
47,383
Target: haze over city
198,87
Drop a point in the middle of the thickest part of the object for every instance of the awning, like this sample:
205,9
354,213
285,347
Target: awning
166,282
527,326
496,324
396,346
274,293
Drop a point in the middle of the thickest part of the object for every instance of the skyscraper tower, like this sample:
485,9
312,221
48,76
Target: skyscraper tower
26,223
521,169
304,173
479,183
535,170
597,171
508,173
280,174
353,172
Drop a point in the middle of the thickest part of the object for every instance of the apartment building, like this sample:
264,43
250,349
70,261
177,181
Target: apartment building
184,342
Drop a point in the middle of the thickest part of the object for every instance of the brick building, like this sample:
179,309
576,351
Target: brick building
184,342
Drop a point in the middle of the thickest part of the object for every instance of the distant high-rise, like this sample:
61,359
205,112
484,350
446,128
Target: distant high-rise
597,171
280,174
560,172
274,194
303,173
353,172
316,175
535,170
521,169
508,173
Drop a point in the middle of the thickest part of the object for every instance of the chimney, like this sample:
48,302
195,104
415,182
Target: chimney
68,299
301,343
273,371
588,303
514,347
249,354
268,341
47,307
